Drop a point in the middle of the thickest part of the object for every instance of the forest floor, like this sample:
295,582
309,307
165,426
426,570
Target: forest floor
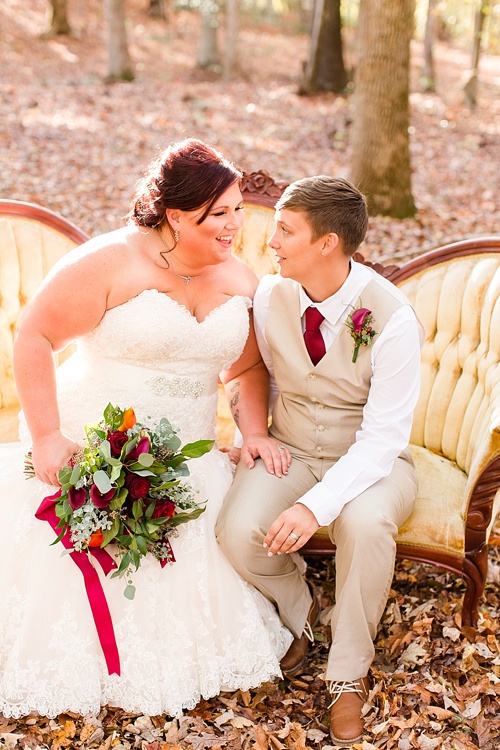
77,145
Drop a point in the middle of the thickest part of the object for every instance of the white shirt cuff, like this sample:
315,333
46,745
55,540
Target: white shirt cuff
323,503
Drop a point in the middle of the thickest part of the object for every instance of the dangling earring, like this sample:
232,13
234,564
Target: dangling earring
176,236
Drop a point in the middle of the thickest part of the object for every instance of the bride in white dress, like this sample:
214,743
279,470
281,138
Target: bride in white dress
160,309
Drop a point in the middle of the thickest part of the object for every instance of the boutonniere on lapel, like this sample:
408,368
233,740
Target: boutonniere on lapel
358,322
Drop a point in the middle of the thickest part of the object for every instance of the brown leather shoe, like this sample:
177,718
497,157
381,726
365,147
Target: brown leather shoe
346,722
294,658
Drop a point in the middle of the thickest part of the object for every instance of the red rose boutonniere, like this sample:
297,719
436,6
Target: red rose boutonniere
358,322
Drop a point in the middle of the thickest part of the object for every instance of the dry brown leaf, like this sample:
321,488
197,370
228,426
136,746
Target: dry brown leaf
260,737
440,713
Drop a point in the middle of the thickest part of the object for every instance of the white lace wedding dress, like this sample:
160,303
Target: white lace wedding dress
194,628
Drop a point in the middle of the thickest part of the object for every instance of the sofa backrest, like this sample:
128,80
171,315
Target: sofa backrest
32,239
455,291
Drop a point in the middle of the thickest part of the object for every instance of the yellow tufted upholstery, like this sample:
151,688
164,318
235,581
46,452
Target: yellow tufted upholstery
32,239
455,439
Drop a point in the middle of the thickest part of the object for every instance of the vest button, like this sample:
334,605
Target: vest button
321,428
319,449
321,406
312,377
314,399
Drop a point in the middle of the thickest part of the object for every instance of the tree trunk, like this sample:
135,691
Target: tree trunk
380,140
324,70
208,50
470,87
159,9
231,51
57,18
119,65
428,74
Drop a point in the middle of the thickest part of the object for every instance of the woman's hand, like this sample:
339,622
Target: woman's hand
276,457
233,454
50,453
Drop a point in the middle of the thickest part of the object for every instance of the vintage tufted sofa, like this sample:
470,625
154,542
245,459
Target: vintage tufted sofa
455,439
32,239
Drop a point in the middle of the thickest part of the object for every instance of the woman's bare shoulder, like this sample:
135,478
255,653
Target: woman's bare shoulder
244,280
110,244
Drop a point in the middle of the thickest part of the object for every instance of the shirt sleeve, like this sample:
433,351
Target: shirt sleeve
387,419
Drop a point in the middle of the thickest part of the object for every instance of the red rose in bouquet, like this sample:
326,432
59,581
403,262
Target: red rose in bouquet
116,441
137,486
164,509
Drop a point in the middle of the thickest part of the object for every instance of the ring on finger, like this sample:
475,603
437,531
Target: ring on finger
294,536
280,448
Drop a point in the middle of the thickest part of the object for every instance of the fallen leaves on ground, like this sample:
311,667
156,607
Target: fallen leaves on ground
435,685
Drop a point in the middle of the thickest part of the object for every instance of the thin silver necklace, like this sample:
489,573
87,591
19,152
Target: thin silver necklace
186,279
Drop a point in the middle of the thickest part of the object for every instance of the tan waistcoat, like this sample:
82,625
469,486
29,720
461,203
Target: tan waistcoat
320,408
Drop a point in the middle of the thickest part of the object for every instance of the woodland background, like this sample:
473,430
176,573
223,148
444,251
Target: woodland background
76,144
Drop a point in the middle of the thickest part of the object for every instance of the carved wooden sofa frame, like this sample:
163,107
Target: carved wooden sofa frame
456,435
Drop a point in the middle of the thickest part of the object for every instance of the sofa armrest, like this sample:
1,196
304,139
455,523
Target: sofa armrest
483,483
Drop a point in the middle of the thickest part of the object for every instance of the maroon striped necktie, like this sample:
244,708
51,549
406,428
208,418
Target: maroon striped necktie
314,342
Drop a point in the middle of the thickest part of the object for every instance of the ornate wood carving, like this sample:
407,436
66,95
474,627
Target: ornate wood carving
259,187
385,271
476,548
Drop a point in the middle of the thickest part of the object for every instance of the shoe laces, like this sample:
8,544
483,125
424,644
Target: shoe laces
336,689
308,631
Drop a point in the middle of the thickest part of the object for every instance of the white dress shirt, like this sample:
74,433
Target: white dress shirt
394,390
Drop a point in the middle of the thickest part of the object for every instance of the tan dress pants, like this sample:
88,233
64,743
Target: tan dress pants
363,533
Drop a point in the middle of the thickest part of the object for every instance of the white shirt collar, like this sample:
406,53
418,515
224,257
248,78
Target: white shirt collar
333,307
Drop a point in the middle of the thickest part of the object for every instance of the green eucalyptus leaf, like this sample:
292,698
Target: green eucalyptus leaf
116,470
136,469
129,592
102,481
145,459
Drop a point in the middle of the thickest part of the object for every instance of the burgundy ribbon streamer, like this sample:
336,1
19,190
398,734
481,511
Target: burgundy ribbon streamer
171,557
95,593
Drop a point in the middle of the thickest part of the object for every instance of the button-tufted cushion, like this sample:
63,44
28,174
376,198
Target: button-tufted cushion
459,304
29,249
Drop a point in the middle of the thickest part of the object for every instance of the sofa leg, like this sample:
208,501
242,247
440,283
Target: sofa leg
474,573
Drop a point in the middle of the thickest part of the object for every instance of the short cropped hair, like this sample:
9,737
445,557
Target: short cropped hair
331,204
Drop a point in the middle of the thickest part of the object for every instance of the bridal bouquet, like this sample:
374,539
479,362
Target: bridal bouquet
126,487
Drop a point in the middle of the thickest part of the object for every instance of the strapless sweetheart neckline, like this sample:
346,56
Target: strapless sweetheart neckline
179,305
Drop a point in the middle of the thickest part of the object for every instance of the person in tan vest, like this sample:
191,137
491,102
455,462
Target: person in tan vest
342,346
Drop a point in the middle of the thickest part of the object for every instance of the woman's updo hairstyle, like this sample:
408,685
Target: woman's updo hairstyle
186,176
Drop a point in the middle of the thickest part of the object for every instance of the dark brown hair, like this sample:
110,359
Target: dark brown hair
331,204
187,175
